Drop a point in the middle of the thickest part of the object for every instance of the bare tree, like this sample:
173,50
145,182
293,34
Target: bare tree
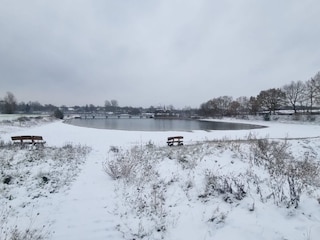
114,103
244,107
234,108
170,107
295,93
218,106
271,99
311,92
224,104
317,85
206,109
107,105
10,103
253,105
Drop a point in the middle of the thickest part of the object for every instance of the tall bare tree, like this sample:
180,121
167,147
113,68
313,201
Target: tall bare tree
271,99
311,92
253,105
244,105
234,108
224,104
216,106
107,105
10,103
316,79
295,93
114,103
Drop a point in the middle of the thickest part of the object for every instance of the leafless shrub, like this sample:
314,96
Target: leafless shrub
150,144
211,183
121,166
240,189
300,174
6,145
144,193
68,151
187,162
158,199
2,143
296,117
8,232
114,149
231,188
311,118
27,234
125,164
288,176
251,137
235,146
218,217
271,154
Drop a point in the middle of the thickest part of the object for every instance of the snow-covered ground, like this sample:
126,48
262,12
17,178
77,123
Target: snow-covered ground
219,185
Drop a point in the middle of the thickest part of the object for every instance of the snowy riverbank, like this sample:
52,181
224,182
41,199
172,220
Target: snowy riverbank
171,193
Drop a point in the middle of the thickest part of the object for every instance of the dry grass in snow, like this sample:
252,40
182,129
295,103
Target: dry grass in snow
201,191
30,176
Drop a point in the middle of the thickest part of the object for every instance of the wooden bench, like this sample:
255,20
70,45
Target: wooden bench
28,140
177,139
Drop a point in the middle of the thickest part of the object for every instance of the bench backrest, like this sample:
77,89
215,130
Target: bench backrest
31,138
15,138
21,138
37,138
176,137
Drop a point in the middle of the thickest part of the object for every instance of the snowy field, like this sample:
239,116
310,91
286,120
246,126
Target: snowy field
105,184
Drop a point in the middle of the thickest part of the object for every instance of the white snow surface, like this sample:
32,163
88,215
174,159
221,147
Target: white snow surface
95,206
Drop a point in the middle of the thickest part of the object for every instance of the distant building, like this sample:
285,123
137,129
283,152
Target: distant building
163,113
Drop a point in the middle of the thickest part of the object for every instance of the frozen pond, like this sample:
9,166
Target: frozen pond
150,124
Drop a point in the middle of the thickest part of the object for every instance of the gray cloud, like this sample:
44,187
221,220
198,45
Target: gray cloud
146,53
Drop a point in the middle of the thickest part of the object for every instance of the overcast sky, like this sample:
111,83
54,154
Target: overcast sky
152,52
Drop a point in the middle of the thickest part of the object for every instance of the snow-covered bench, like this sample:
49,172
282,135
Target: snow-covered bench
177,139
27,140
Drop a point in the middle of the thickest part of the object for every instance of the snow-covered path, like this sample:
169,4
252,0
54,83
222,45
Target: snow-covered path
86,210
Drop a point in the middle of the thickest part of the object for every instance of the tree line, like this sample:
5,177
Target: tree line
296,96
10,105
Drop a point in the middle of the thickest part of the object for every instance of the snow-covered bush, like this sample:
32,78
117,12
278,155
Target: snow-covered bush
288,176
208,181
14,232
131,165
28,174
272,154
120,165
299,175
230,187
27,234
